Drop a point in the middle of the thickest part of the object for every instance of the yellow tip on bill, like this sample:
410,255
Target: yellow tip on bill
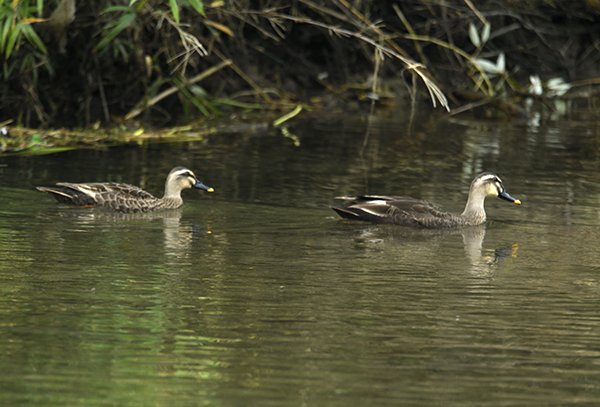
213,190
517,201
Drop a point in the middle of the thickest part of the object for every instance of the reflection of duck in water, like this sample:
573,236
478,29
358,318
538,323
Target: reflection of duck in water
125,197
483,260
179,233
415,212
418,246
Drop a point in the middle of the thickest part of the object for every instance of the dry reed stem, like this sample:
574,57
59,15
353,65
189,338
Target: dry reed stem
419,69
460,52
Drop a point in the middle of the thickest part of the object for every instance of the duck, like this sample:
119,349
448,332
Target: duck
124,197
407,211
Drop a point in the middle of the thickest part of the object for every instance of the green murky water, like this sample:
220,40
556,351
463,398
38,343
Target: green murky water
258,295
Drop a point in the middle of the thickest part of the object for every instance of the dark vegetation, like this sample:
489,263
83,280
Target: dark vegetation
106,62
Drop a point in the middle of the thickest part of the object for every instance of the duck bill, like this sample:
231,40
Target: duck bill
200,185
506,196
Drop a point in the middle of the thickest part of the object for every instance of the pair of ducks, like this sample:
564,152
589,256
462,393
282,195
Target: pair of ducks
373,208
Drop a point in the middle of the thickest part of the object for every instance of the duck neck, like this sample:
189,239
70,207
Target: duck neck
172,191
474,213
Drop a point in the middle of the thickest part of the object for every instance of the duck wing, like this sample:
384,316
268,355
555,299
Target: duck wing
116,188
399,210
118,196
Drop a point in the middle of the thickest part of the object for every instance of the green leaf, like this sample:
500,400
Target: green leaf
33,38
174,10
112,9
6,29
122,23
12,40
279,121
198,5
42,150
35,139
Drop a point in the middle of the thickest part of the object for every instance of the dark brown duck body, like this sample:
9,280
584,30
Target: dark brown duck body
124,197
398,210
413,212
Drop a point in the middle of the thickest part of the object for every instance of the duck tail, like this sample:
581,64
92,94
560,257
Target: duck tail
346,213
68,195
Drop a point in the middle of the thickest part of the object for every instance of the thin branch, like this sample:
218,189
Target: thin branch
245,77
476,12
210,71
410,30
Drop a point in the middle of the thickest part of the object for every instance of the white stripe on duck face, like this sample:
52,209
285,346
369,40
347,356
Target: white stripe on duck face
490,177
184,172
492,184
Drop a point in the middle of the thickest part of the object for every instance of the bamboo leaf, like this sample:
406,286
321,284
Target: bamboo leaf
122,23
487,66
33,20
220,27
174,10
474,35
501,63
112,9
6,29
198,5
33,38
485,33
12,40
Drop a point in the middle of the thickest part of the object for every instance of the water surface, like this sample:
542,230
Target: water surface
259,295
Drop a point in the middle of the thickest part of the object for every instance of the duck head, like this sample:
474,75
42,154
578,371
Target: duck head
491,185
181,178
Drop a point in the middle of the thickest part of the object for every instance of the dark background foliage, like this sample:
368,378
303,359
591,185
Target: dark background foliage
113,56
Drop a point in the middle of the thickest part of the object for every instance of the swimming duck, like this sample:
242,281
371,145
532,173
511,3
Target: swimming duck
125,197
415,212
